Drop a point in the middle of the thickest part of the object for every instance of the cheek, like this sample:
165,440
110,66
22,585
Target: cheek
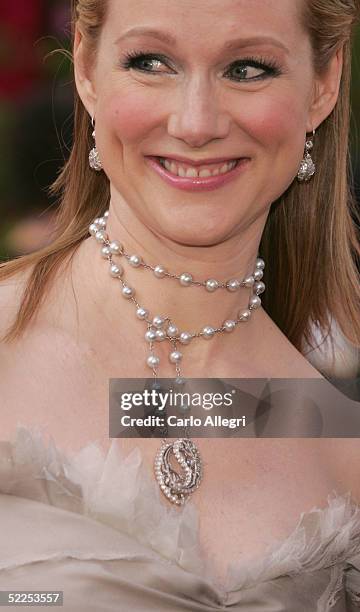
275,122
276,126
130,118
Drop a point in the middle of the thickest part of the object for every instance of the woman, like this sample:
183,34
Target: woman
252,94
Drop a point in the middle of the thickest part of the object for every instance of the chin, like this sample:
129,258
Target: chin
194,232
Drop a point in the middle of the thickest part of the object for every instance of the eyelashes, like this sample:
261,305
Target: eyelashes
269,67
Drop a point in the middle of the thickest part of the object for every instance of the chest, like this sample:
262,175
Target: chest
252,494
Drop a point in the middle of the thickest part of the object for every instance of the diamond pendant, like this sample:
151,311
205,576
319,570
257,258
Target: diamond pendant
177,487
94,160
307,168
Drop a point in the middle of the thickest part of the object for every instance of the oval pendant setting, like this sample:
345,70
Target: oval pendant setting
177,487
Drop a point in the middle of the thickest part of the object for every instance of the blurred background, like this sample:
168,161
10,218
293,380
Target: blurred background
35,118
36,131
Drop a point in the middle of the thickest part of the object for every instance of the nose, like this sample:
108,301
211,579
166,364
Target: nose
198,117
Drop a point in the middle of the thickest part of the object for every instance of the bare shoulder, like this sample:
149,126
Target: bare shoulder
40,370
11,293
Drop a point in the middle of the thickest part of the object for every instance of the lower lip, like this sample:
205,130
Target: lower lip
207,183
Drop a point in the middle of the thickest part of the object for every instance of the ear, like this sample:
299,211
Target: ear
326,91
83,73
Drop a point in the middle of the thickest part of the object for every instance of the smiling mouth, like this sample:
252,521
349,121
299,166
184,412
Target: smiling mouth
185,170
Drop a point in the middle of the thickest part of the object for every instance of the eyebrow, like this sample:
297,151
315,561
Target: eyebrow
234,43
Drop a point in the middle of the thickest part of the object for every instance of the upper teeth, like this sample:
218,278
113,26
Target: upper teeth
191,171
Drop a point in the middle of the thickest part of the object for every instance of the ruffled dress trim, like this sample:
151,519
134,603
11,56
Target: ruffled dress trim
117,491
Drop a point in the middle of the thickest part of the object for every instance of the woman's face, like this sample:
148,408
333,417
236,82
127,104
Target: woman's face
234,80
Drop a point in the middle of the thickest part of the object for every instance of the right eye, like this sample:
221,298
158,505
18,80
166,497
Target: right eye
143,61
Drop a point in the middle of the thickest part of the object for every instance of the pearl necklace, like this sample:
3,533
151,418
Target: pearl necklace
176,487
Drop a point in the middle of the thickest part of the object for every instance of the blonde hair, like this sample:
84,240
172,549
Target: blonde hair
310,241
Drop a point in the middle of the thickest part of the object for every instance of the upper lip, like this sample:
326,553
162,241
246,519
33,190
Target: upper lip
198,162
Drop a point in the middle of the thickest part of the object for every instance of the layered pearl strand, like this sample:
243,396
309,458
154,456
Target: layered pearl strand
160,328
176,487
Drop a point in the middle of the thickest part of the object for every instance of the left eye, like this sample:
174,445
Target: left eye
245,72
250,69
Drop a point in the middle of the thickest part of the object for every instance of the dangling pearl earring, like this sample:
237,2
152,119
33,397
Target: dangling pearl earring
94,158
307,166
